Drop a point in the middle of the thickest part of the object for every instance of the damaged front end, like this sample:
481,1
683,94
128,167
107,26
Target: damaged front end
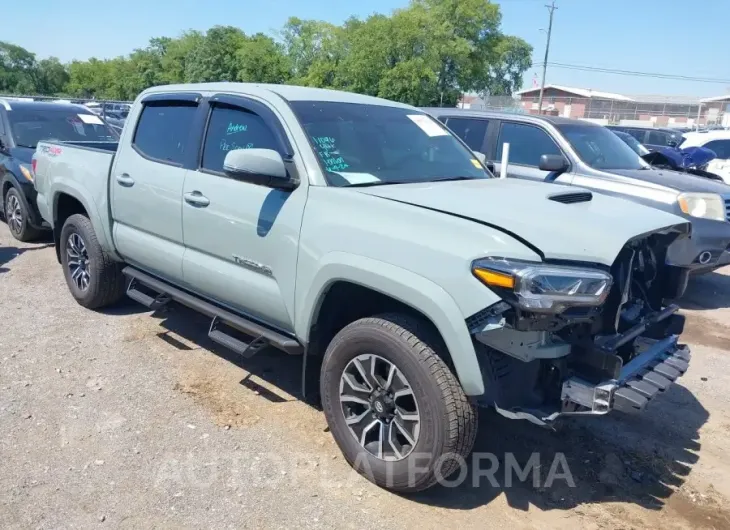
580,339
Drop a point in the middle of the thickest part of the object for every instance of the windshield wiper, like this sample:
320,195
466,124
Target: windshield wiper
373,183
449,179
26,146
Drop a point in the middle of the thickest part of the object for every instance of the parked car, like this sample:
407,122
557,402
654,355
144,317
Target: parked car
692,160
115,121
719,143
652,137
22,125
595,158
362,234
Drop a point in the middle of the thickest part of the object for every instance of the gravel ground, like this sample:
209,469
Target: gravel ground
130,419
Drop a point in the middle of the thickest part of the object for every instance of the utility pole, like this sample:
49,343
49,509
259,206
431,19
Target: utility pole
552,9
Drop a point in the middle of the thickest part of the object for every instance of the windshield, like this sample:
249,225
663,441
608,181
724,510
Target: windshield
376,144
633,143
67,125
600,148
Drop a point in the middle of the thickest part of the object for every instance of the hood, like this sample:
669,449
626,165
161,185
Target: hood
675,180
22,154
591,231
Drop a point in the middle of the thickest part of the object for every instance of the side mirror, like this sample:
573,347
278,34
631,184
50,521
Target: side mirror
480,156
553,163
264,167
672,143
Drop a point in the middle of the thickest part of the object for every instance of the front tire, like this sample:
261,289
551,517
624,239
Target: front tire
93,277
395,409
18,217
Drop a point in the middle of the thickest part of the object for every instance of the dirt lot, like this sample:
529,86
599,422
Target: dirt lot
129,420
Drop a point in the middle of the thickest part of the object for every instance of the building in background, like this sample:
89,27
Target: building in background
610,108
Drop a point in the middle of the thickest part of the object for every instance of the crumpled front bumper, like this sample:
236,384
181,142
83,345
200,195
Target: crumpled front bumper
660,363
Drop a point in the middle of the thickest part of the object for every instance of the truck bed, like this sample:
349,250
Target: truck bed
80,166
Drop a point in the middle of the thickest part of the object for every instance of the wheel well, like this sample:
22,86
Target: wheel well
6,187
344,302
66,206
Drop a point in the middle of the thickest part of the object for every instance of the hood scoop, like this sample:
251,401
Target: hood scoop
570,198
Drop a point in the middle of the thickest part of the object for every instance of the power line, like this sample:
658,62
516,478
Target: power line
639,73
552,9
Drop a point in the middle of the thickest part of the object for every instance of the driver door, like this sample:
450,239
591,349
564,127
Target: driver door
241,239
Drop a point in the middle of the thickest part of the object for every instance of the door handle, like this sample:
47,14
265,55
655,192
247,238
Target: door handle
196,198
125,180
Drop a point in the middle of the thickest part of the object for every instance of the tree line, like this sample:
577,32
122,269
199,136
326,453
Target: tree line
426,54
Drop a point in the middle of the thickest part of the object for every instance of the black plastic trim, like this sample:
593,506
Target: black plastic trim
276,339
172,97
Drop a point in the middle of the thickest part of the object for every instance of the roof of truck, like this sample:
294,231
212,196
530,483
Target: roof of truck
288,92
473,113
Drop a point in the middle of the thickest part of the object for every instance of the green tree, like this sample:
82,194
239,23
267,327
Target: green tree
17,69
216,57
50,77
262,60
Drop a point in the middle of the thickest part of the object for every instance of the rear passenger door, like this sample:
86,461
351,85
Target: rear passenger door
527,143
242,239
147,181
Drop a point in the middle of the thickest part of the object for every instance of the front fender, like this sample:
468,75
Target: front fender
405,286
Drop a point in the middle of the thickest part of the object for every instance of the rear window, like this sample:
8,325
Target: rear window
30,126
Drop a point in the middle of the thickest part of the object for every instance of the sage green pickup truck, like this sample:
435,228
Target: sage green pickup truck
363,235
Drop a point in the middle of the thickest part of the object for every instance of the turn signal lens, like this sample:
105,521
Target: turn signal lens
26,173
495,279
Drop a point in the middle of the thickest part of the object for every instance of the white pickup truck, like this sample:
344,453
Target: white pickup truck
365,236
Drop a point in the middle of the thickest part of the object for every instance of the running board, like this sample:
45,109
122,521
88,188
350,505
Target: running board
221,317
145,299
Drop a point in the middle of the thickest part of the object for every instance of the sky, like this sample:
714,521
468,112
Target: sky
656,36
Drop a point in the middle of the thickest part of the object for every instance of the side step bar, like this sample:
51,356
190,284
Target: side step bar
221,317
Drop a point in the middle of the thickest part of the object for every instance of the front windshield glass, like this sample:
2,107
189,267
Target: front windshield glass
600,148
369,145
67,125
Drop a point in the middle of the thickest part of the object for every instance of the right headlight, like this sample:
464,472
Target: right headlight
544,288
704,205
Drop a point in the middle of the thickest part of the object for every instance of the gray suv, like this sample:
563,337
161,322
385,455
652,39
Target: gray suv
580,153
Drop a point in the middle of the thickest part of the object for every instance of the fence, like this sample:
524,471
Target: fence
660,111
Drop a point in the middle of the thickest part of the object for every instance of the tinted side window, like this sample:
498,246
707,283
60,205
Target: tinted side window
471,130
720,147
527,144
232,128
162,131
639,134
658,138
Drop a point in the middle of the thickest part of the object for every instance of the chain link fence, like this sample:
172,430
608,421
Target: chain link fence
659,111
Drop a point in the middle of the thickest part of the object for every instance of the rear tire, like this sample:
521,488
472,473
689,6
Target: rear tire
17,217
93,277
446,419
